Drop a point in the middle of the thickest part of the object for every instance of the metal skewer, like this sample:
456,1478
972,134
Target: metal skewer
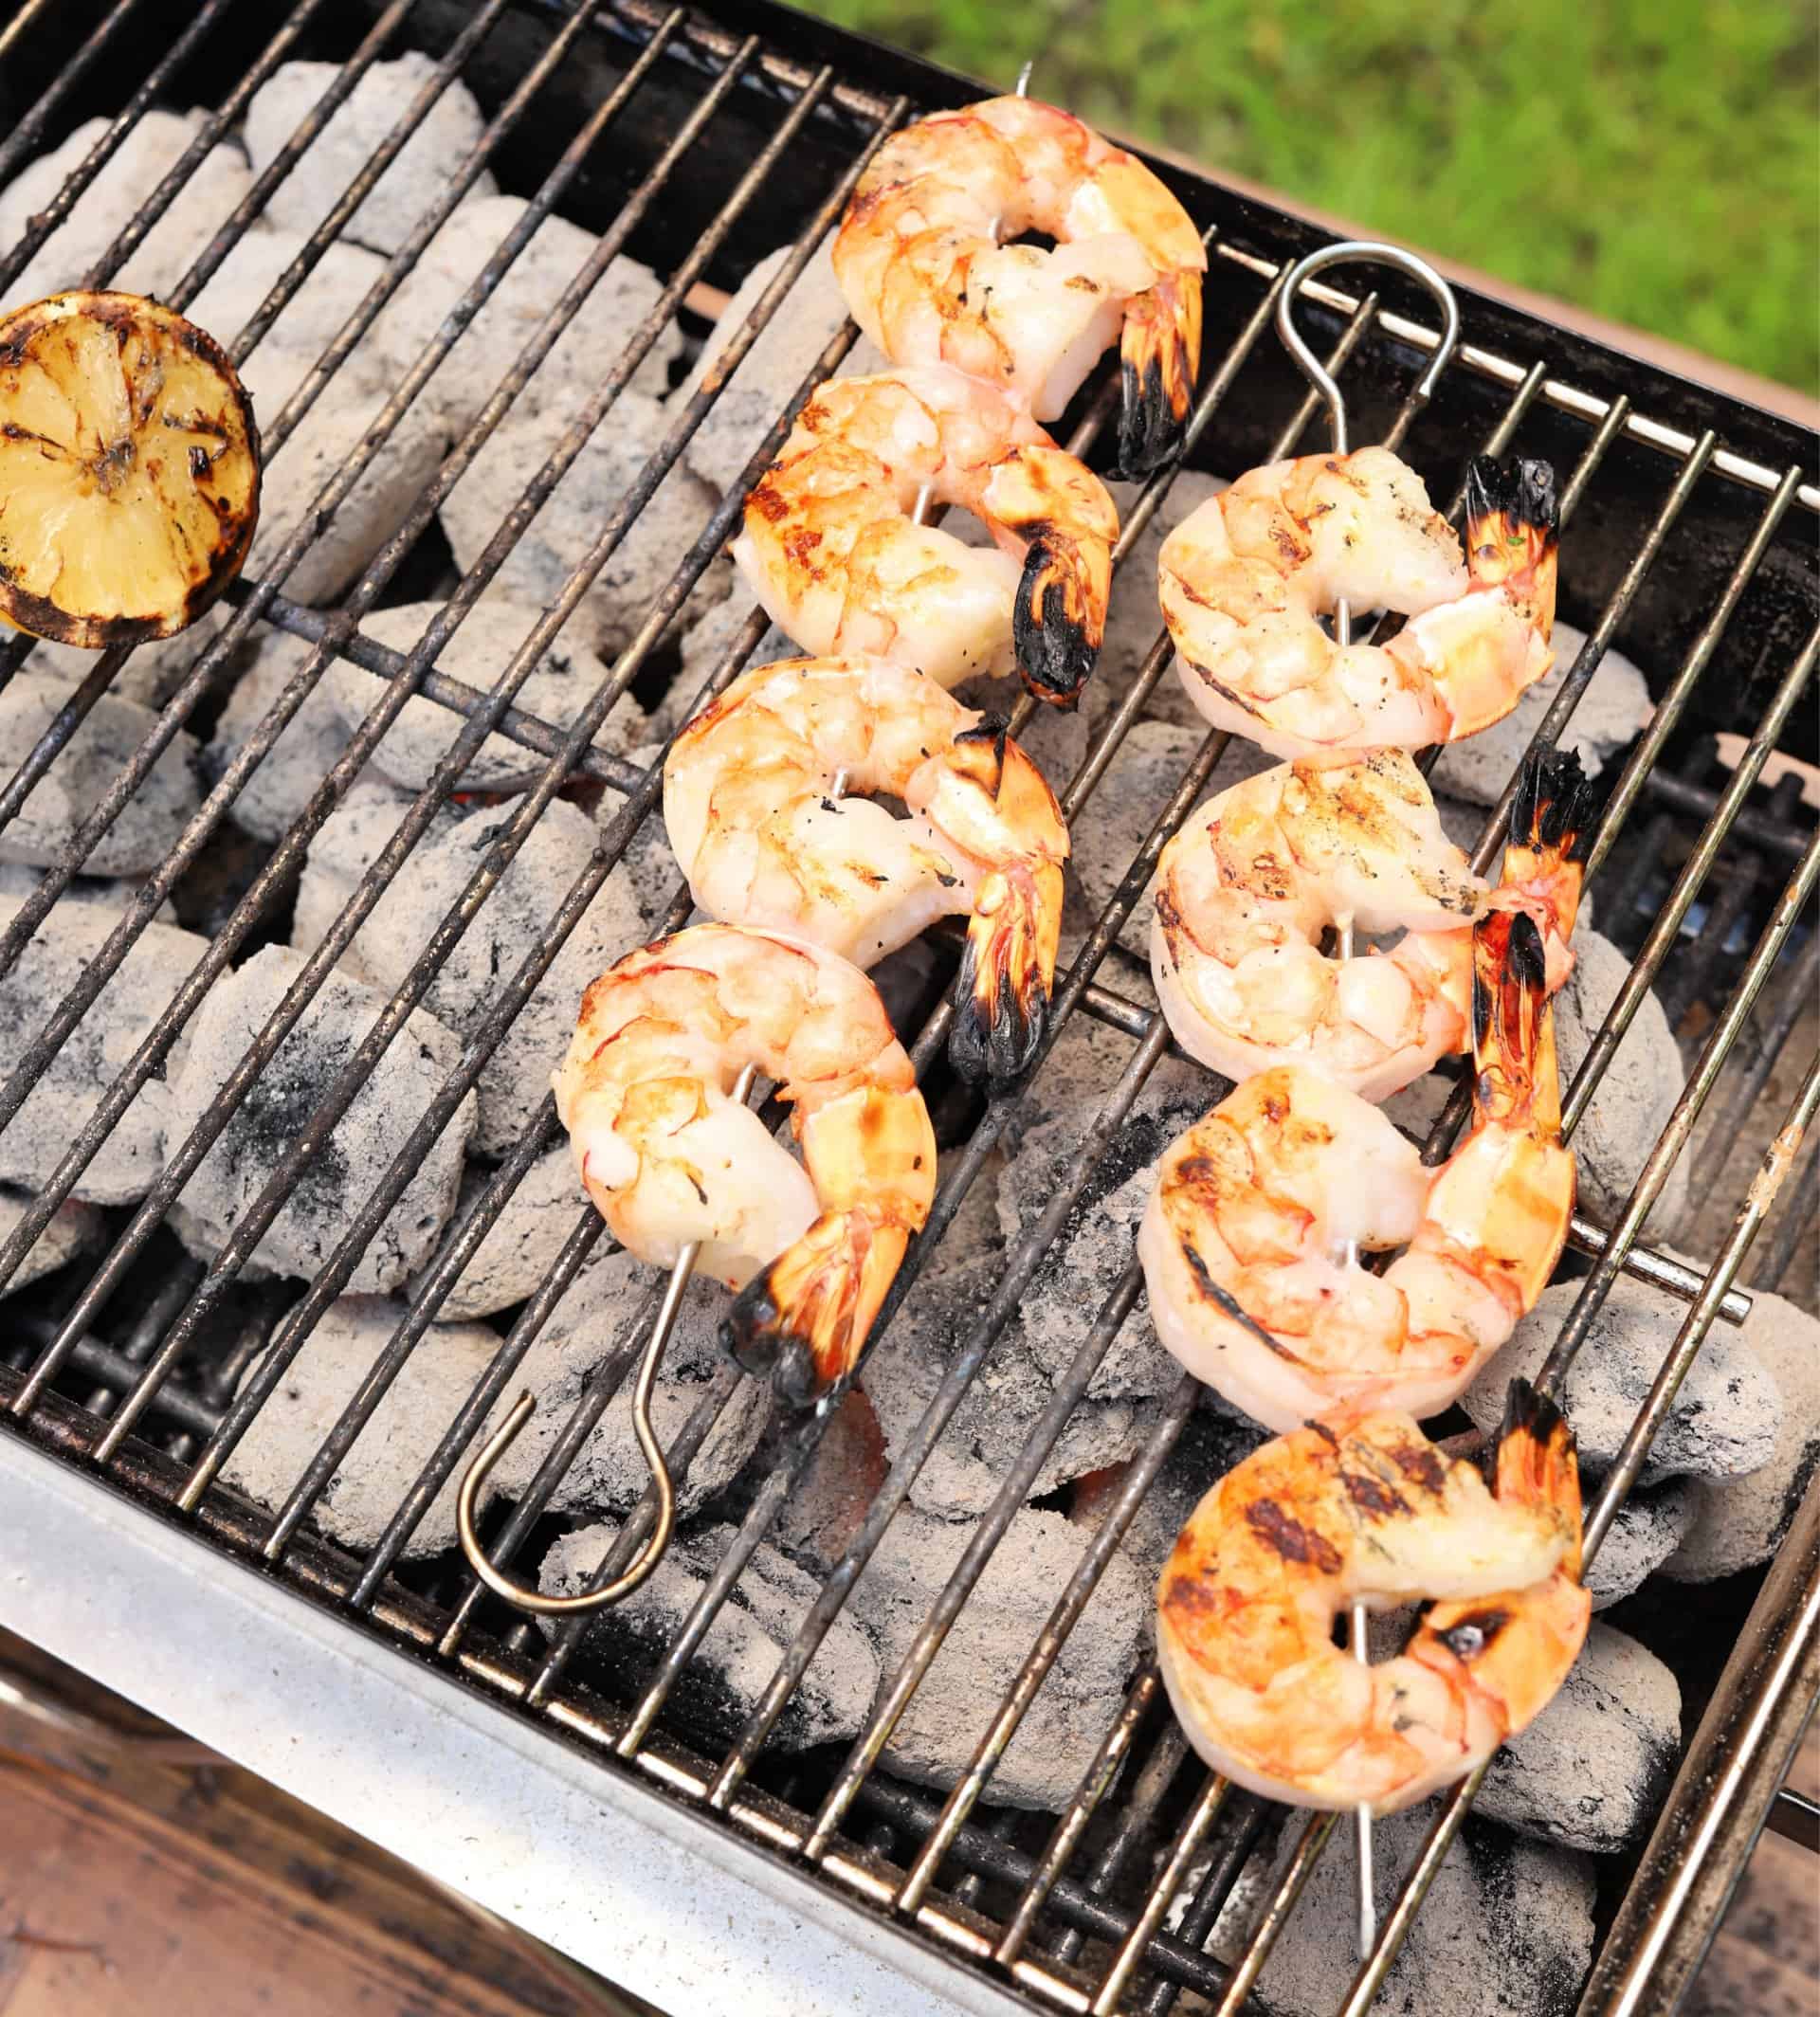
1322,379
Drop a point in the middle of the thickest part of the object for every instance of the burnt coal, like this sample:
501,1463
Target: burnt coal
75,1229
723,1684
525,1239
278,1105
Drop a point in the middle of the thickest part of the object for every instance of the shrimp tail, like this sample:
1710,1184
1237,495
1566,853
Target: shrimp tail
1059,619
1537,1462
804,1320
1509,1007
1513,521
1005,973
1551,835
1161,354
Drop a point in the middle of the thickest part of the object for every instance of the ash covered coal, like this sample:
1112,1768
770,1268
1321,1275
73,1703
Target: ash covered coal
723,1684
350,841
418,179
514,920
275,1110
442,1369
525,294
609,1308
944,1722
72,1084
151,821
312,741
521,1248
560,684
1724,1422
149,150
1506,1930
75,1229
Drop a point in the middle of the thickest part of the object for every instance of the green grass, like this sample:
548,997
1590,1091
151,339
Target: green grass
1653,160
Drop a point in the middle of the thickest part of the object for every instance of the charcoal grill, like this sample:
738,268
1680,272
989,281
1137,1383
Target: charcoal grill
418,1711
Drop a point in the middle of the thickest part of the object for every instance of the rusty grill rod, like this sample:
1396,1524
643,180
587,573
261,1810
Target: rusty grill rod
1078,989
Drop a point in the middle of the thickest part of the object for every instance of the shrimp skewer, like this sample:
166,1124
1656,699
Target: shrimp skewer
1251,882
1244,578
919,261
1244,1240
752,801
1365,1508
832,550
670,1159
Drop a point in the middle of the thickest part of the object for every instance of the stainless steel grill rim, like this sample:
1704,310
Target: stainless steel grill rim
142,1381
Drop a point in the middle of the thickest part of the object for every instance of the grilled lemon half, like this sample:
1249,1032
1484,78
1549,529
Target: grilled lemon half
129,471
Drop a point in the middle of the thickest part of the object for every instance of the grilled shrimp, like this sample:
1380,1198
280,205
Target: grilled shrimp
1366,1509
1244,1240
831,550
921,264
1244,578
1251,881
669,1157
748,800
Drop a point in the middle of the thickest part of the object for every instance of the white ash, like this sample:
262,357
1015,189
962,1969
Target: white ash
75,1229
1611,711
944,1722
1507,1925
329,1191
557,688
609,1304
348,842
153,671
91,1056
1134,622
328,437
985,1436
306,324
1647,1531
310,746
145,155
1725,1420
528,289
114,894
822,1516
432,1386
522,1244
92,760
1738,1522
418,179
575,513
514,920
769,374
1590,1770
724,1681
1635,1097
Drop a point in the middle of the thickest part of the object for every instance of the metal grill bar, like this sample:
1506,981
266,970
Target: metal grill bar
142,1372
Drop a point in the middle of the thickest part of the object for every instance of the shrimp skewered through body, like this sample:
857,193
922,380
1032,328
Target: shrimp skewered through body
919,261
1244,1241
749,799
670,1158
833,551
1244,578
1253,879
1365,1508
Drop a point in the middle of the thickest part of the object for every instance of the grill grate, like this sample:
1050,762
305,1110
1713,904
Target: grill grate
1689,528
